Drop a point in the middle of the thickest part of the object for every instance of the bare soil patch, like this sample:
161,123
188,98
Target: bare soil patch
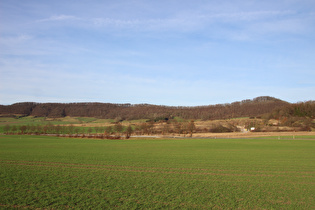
246,134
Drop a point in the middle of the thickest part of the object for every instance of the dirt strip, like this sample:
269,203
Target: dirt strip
250,135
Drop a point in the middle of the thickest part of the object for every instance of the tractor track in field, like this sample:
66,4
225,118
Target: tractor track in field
189,171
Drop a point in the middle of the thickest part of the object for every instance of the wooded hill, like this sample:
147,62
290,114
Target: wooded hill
246,108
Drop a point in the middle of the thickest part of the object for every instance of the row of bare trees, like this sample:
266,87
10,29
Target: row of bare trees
115,131
118,130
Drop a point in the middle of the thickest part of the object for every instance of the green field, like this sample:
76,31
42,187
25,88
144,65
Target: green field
57,173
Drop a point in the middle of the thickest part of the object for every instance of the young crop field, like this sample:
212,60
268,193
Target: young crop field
56,173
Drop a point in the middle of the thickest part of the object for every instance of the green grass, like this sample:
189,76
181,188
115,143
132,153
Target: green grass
51,172
86,119
103,121
30,120
35,121
138,121
22,120
179,119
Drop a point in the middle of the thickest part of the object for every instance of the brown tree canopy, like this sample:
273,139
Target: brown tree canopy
246,108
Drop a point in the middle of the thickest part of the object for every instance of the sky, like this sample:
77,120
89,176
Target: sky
165,52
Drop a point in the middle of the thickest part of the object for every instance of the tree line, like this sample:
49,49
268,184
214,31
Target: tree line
115,131
246,108
300,114
109,132
301,109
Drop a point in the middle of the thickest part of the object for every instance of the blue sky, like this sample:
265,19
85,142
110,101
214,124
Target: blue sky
168,52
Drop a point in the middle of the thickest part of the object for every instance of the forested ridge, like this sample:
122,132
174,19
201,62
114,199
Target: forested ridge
246,108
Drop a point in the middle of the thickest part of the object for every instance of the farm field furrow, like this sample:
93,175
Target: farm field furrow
57,173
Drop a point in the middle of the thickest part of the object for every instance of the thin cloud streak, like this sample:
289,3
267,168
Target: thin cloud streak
189,21
59,18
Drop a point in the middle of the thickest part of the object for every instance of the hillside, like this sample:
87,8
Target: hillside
246,108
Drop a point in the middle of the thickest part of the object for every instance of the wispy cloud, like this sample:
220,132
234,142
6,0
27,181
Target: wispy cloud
268,20
9,40
154,25
245,25
247,16
59,18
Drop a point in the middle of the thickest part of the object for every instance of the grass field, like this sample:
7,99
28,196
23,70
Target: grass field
56,173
